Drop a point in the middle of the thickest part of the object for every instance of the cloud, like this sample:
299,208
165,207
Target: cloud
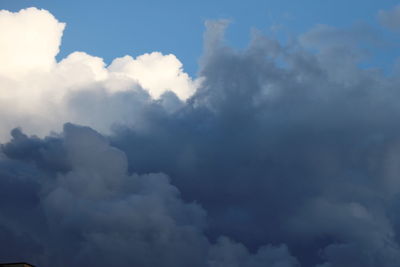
390,18
283,155
228,253
35,89
291,153
170,75
86,209
29,42
340,51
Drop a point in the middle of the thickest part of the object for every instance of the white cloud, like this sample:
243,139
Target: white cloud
29,41
35,88
157,73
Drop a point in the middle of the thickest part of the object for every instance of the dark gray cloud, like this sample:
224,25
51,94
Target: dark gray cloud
285,156
84,209
296,154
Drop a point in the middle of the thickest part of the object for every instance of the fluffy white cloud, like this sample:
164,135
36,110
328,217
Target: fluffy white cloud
29,41
157,73
36,90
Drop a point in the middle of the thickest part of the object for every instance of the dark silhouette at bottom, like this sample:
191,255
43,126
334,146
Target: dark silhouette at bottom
16,264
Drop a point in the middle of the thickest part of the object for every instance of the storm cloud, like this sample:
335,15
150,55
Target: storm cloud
69,201
282,155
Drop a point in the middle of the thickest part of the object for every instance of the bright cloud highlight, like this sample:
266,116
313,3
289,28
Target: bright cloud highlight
39,88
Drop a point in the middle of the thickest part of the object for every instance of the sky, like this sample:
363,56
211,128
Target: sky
111,29
179,134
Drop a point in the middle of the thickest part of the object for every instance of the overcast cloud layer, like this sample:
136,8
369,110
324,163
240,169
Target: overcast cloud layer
275,156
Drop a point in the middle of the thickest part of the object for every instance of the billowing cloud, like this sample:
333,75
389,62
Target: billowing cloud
291,153
283,155
170,75
35,89
29,41
77,205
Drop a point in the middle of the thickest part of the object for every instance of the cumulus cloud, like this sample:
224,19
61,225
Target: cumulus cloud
35,89
283,155
170,75
299,153
85,209
29,41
